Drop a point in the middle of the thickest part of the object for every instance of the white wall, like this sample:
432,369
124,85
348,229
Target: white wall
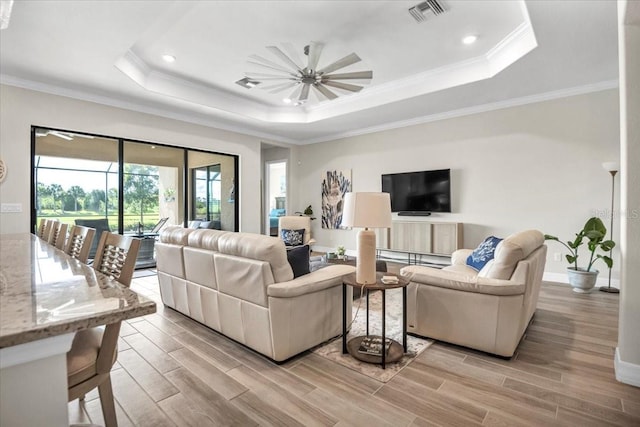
533,166
21,108
627,362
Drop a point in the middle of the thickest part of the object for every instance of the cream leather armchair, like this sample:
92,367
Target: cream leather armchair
487,310
297,223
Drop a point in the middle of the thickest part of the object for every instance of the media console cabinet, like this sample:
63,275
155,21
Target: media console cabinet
420,238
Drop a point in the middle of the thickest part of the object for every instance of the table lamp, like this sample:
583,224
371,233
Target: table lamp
366,210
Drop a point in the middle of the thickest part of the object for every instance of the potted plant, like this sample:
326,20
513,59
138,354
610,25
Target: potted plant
341,251
307,212
584,279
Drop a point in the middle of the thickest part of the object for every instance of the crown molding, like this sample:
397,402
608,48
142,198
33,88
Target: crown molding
132,106
514,102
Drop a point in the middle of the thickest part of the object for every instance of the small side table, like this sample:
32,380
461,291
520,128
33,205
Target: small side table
396,351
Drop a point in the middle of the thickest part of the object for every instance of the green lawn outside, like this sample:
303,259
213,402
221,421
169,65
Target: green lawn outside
130,220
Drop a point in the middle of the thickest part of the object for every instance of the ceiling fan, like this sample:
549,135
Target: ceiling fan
68,136
289,73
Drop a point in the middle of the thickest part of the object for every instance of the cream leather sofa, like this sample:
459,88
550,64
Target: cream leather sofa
241,285
487,310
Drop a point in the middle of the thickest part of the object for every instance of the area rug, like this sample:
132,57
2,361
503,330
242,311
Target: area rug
332,350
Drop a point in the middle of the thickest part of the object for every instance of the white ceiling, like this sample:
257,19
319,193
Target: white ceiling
110,52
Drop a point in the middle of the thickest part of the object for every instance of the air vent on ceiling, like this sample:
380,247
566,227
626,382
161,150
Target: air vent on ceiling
420,11
248,83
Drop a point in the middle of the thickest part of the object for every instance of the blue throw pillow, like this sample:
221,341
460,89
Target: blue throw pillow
292,237
483,253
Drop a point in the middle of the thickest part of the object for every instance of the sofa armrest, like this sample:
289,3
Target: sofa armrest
315,281
460,256
461,282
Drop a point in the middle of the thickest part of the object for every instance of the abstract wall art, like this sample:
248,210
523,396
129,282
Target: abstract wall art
334,186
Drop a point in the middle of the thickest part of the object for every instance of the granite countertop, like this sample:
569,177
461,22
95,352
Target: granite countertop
44,293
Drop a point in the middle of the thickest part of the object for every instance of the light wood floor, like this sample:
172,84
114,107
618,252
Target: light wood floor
173,371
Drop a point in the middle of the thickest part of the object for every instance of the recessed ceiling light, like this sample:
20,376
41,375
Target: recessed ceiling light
168,58
469,39
286,100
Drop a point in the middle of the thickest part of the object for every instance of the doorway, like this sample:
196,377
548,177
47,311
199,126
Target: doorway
276,193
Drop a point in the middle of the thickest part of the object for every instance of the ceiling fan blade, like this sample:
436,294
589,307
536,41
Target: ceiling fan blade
280,54
259,60
325,92
345,86
264,79
261,75
315,49
271,85
283,87
296,93
61,135
292,52
304,95
343,76
341,63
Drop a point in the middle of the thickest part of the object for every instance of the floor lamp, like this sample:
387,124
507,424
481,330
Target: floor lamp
612,167
366,210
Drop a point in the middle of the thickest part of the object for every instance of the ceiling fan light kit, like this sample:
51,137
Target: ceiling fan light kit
287,74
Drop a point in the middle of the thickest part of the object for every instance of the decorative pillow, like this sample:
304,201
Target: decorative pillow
292,237
483,253
298,258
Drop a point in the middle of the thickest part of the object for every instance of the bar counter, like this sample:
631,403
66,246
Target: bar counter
45,297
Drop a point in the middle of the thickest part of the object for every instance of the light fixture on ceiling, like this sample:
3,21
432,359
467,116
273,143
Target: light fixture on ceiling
289,74
420,11
168,58
67,136
286,100
5,13
470,39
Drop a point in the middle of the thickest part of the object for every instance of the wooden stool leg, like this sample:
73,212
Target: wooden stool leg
107,403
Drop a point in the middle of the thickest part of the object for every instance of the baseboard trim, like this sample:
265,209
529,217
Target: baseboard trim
626,372
562,278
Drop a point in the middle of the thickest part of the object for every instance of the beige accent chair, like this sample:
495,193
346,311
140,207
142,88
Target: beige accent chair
94,351
79,242
297,223
241,285
487,310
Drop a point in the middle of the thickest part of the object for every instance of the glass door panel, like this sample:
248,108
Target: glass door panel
276,186
152,187
212,190
76,180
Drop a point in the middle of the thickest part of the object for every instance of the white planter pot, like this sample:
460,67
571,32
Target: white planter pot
582,281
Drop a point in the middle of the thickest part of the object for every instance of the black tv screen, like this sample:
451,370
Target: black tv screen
426,191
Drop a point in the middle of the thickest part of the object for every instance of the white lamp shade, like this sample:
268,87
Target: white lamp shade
611,166
366,210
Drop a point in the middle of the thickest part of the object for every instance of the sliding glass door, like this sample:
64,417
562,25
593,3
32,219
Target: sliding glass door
76,180
130,187
213,191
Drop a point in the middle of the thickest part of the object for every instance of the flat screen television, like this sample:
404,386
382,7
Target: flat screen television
418,193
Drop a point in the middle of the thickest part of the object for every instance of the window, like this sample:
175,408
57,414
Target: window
129,186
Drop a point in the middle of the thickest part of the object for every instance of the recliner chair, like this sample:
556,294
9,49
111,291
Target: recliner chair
487,310
296,223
